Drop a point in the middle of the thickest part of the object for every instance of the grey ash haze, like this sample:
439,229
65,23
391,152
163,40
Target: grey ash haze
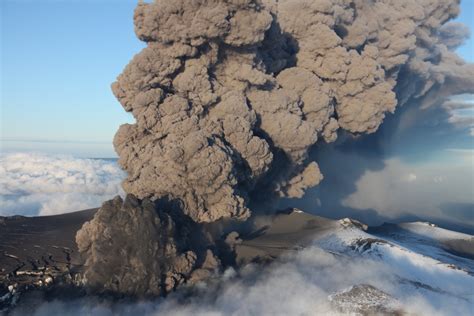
230,96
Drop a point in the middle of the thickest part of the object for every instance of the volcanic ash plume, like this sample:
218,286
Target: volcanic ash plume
134,247
229,95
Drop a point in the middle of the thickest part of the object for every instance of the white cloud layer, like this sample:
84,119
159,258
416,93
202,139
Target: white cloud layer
39,184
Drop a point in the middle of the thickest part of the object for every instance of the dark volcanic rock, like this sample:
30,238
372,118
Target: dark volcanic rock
39,253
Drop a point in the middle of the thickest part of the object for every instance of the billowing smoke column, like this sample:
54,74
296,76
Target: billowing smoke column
229,96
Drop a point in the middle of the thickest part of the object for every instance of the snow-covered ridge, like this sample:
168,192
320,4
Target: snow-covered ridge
432,231
416,257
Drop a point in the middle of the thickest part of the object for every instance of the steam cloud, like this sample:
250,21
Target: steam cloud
229,96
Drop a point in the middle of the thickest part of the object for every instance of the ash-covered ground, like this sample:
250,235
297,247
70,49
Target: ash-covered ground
293,263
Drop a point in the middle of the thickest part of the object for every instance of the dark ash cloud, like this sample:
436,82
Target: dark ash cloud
230,97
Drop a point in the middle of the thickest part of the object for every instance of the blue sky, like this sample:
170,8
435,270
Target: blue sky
58,59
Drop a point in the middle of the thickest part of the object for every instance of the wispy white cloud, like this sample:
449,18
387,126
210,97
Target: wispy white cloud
39,184
415,189
461,110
